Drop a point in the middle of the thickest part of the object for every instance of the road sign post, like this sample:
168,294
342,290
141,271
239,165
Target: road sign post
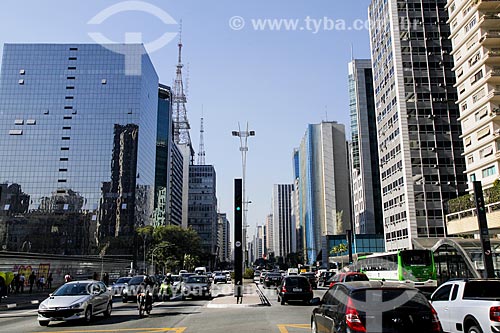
489,270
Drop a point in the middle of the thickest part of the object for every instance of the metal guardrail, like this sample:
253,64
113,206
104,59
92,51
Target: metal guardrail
471,212
263,299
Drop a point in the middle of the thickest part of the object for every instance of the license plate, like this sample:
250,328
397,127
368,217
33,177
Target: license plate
296,289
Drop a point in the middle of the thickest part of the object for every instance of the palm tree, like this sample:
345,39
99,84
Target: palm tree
338,250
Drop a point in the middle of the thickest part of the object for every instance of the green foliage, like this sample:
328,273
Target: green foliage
464,202
248,273
339,249
174,247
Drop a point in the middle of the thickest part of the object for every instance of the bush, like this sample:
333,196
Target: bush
248,273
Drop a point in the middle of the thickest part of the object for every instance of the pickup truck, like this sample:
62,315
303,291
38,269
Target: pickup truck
468,305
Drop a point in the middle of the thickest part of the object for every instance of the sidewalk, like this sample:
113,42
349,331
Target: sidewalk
24,300
251,297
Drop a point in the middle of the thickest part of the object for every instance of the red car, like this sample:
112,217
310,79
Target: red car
346,277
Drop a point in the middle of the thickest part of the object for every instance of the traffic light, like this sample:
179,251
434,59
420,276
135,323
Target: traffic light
238,237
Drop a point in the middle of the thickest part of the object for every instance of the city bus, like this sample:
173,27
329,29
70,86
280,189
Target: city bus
415,267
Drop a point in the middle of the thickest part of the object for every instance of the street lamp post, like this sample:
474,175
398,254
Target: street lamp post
153,253
243,135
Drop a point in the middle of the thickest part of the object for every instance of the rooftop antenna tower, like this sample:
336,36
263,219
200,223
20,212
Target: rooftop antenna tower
201,149
181,123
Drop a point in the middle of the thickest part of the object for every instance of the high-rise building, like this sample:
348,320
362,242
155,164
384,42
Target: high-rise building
419,145
223,238
270,234
169,165
323,188
297,236
260,242
365,176
282,219
78,133
202,211
475,38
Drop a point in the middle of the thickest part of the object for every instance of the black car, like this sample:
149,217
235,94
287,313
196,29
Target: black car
272,279
324,277
312,279
374,306
295,288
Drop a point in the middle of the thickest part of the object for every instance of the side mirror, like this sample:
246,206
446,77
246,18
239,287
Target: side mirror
315,301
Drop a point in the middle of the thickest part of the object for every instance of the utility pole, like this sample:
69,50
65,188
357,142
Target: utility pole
243,135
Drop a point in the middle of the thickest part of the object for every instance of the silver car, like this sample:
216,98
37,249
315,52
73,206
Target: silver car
76,300
196,286
117,287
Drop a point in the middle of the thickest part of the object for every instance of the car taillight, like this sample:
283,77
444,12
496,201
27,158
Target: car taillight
436,324
495,313
352,318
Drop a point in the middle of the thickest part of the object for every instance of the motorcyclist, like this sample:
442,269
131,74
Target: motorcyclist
147,286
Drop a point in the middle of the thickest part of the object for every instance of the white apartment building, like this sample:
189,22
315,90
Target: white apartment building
475,37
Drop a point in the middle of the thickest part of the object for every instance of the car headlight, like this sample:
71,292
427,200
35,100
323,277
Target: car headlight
42,306
205,288
76,306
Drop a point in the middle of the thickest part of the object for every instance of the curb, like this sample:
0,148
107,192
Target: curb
15,305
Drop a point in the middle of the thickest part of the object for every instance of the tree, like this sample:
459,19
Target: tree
175,243
338,250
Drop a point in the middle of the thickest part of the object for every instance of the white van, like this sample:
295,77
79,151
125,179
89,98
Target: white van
292,271
200,271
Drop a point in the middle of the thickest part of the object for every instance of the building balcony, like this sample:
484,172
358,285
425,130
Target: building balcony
490,38
465,222
487,5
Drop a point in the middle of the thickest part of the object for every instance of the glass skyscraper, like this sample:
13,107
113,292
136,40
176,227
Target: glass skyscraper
78,130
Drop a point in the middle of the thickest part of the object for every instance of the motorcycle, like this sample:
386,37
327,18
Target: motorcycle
144,303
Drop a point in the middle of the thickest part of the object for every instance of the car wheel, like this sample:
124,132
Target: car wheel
88,315
44,322
474,329
109,308
314,329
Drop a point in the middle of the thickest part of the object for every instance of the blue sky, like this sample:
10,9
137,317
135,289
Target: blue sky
278,81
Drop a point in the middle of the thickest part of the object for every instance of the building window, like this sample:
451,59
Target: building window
470,159
483,132
473,177
467,141
16,132
481,113
478,76
486,152
489,171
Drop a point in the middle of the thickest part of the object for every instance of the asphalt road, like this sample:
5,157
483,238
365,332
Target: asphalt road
176,316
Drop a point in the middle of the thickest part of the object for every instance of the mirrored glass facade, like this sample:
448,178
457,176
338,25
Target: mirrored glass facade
78,127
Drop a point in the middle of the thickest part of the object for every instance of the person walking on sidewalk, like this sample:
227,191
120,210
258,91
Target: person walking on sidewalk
32,279
42,282
49,281
22,280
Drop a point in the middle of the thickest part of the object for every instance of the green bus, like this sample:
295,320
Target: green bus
415,267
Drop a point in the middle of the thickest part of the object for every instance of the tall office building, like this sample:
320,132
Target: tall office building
420,149
270,234
223,238
282,219
324,188
78,129
297,236
475,37
365,176
260,242
202,211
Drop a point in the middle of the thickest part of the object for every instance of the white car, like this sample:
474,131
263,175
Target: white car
76,300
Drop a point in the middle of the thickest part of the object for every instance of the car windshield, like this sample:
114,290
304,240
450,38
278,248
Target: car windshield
73,289
356,277
196,279
136,280
292,282
416,257
123,280
370,299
